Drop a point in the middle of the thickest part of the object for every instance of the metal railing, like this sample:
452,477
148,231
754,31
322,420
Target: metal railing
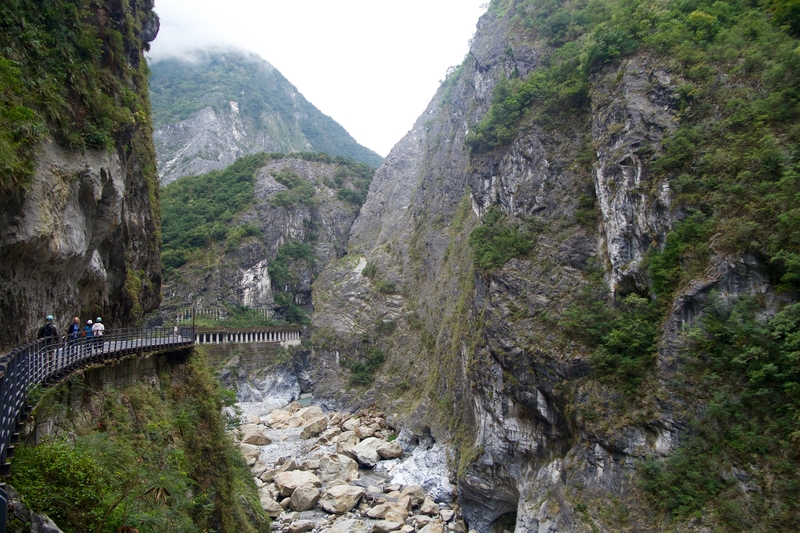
276,334
49,360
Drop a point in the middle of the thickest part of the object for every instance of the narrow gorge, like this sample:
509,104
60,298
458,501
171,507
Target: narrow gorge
566,301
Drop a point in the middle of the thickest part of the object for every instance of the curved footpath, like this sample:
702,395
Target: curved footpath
47,361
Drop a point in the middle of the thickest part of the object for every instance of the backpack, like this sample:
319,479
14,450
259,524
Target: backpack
46,331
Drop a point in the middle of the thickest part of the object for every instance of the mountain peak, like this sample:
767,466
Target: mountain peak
213,106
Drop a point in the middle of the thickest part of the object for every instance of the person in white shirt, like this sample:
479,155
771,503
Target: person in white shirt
97,333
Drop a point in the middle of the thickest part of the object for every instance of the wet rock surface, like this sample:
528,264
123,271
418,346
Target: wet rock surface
330,479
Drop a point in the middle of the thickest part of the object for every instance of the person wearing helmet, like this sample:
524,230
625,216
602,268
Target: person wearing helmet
49,329
87,332
97,333
49,332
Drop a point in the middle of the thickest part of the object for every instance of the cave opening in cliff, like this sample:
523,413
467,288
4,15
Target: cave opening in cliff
506,523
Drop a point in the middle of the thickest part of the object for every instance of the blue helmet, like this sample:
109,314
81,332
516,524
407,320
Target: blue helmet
99,319
49,318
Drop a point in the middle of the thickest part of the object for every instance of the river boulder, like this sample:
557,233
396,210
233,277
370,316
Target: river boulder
287,482
366,452
341,498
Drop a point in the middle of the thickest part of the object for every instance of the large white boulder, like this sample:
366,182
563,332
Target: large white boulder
300,526
287,482
349,526
416,493
304,498
333,467
433,527
276,418
382,510
250,453
303,416
347,441
390,450
270,506
429,508
254,434
341,498
314,427
351,424
386,526
366,452
364,432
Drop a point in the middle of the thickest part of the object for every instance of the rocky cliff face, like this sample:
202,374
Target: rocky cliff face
248,108
241,275
81,237
537,438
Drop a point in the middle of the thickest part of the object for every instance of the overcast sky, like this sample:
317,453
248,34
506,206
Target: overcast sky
372,65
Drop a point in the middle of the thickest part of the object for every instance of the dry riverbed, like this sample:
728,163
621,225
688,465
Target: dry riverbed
345,473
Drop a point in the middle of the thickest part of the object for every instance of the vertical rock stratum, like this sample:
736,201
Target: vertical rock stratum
546,257
79,224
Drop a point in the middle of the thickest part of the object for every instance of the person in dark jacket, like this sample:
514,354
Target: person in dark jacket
49,332
74,334
74,329
49,329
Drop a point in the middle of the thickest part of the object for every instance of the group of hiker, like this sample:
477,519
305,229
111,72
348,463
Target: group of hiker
92,332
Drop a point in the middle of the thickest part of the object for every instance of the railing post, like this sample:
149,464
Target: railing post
3,507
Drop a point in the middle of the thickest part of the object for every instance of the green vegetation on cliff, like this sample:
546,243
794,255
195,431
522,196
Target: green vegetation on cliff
623,338
299,191
702,37
733,169
749,372
72,70
149,458
285,271
200,210
496,240
736,155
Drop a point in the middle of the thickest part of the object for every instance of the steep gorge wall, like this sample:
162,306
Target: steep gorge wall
298,221
482,358
80,232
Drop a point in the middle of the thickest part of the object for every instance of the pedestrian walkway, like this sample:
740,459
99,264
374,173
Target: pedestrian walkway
50,360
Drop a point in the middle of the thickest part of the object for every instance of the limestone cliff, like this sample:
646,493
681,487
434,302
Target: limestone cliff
297,222
79,225
592,186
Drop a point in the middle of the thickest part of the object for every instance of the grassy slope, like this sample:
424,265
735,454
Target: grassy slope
152,456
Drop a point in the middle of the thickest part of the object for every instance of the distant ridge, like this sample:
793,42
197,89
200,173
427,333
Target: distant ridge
214,106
